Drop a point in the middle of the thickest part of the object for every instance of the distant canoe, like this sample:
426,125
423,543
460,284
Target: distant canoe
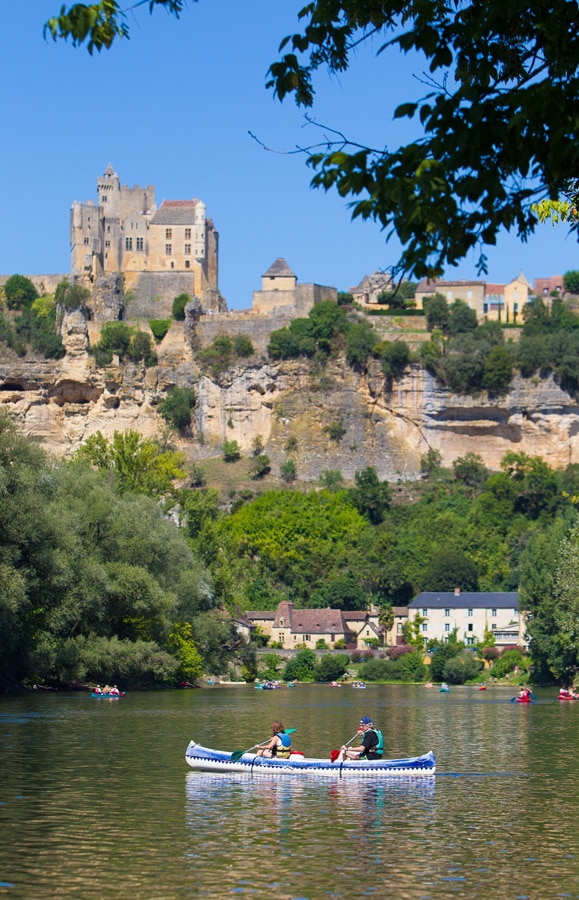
108,696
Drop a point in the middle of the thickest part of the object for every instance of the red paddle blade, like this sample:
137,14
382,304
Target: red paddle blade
334,755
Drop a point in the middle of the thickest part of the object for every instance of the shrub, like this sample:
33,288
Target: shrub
399,650
331,666
507,662
380,670
179,304
260,465
115,337
335,430
242,346
462,667
289,470
177,405
356,656
19,292
231,451
159,327
490,653
141,348
71,296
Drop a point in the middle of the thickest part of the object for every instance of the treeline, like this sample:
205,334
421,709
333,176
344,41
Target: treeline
383,544
95,581
115,561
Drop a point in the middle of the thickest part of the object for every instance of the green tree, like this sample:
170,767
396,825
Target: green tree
437,312
571,281
177,407
260,465
71,295
178,308
462,668
332,480
462,318
19,292
183,646
371,497
301,667
138,464
289,471
498,370
231,451
450,569
331,667
470,469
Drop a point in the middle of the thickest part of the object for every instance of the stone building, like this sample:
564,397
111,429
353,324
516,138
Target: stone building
280,289
159,251
493,302
471,613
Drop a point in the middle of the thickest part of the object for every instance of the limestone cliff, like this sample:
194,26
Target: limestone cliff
61,403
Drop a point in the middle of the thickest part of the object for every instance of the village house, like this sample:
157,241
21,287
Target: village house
490,301
291,627
470,614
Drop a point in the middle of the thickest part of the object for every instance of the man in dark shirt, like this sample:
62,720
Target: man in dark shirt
368,748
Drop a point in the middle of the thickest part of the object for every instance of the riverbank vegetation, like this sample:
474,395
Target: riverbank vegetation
119,561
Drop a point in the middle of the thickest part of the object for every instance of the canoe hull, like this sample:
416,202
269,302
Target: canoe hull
203,759
108,696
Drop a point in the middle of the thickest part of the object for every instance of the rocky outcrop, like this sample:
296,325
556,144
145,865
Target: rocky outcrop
331,418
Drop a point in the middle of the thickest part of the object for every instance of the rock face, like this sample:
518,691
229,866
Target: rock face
332,418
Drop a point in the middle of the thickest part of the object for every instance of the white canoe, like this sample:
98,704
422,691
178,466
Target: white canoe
203,759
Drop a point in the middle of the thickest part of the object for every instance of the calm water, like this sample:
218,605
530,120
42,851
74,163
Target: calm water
96,800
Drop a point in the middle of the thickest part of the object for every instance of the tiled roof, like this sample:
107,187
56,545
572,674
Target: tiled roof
470,599
175,212
317,621
279,268
351,615
252,614
400,610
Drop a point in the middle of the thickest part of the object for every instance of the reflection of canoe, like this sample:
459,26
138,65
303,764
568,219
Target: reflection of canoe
108,696
204,760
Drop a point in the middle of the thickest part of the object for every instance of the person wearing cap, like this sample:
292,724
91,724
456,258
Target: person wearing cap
372,743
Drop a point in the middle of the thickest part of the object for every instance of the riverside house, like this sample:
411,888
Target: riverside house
293,627
471,613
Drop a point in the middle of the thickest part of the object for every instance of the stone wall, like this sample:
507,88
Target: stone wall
257,327
44,284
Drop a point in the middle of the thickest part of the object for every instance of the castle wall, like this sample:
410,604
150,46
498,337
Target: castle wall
44,284
302,298
258,328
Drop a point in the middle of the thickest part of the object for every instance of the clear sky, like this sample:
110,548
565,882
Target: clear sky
173,107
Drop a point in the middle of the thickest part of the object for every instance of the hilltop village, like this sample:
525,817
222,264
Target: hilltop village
134,258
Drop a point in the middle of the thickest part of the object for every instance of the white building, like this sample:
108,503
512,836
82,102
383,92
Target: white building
471,613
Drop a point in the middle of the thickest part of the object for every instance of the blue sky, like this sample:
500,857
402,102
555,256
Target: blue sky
173,107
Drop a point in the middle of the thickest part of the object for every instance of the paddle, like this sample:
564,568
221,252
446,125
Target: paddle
335,753
237,754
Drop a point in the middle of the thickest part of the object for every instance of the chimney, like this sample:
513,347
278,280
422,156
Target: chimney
457,592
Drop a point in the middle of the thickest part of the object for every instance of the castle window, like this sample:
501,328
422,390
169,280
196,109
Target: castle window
86,242
187,264
187,234
107,243
139,243
168,234
104,198
187,249
128,243
168,249
172,264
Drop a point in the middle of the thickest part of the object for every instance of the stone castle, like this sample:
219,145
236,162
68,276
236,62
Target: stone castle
170,250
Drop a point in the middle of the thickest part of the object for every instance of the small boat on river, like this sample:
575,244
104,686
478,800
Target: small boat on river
444,688
108,695
203,759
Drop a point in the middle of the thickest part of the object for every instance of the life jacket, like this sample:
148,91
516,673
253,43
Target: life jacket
378,749
284,751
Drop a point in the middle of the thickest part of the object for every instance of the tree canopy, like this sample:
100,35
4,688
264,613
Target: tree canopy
497,123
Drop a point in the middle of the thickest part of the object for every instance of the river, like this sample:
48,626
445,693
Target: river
96,800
